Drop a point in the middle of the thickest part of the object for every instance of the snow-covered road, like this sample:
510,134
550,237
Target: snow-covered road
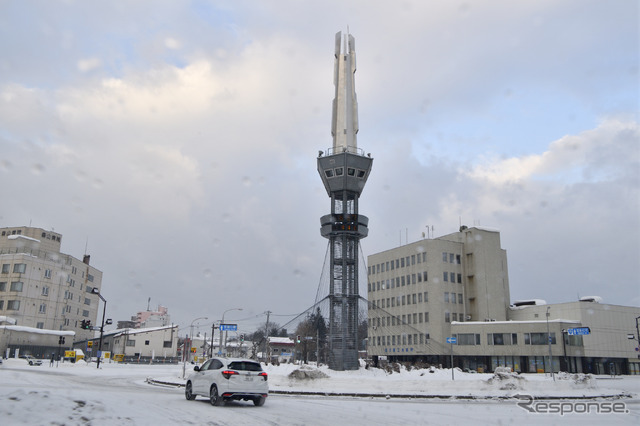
118,395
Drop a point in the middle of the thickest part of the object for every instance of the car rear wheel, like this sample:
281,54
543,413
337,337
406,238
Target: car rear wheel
188,392
259,401
214,397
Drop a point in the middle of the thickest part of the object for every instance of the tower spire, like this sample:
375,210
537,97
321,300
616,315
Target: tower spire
344,123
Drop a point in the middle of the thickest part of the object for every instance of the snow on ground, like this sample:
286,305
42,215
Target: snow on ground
118,394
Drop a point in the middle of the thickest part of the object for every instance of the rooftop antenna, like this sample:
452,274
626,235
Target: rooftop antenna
148,304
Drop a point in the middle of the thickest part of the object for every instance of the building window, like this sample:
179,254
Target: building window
460,298
445,257
13,305
40,325
445,277
468,339
89,289
514,338
43,309
454,317
458,259
87,301
16,286
446,297
45,291
539,338
166,344
459,278
447,317
1,305
19,268
5,268
3,286
413,259
131,342
402,262
146,342
426,297
85,313
496,339
450,257
47,273
424,276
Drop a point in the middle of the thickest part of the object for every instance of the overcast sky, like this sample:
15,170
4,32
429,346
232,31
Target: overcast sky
177,140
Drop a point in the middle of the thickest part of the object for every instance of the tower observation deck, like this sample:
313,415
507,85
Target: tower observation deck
344,170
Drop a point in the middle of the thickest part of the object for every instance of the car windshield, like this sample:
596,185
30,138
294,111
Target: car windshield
245,366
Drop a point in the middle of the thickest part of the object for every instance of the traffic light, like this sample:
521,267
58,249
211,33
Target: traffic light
61,340
298,338
86,324
242,337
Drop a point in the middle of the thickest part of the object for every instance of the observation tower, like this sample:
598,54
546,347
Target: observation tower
344,169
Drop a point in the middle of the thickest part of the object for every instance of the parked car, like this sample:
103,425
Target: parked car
225,379
31,360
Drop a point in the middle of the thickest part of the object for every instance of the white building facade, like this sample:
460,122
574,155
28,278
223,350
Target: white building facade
447,296
43,288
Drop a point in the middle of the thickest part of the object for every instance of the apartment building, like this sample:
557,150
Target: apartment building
43,288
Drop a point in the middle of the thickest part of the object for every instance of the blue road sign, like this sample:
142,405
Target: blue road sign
452,340
579,331
228,327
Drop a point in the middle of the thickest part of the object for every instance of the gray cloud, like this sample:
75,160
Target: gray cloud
182,142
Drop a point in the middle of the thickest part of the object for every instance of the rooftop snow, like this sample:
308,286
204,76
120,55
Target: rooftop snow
15,237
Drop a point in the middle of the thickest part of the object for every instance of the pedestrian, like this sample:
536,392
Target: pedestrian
52,359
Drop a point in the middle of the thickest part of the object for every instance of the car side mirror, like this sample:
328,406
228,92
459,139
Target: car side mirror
196,368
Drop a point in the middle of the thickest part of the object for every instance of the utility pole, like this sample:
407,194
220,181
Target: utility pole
213,328
266,338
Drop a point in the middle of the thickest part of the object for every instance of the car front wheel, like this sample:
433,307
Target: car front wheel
188,392
214,397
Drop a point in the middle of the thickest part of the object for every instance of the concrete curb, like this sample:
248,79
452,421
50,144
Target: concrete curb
410,396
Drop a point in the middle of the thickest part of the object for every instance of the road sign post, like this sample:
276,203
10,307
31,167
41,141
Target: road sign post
579,331
228,327
451,341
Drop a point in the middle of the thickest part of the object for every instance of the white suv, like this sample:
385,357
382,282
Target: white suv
224,379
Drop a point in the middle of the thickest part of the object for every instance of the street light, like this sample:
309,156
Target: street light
549,342
225,332
104,310
184,356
